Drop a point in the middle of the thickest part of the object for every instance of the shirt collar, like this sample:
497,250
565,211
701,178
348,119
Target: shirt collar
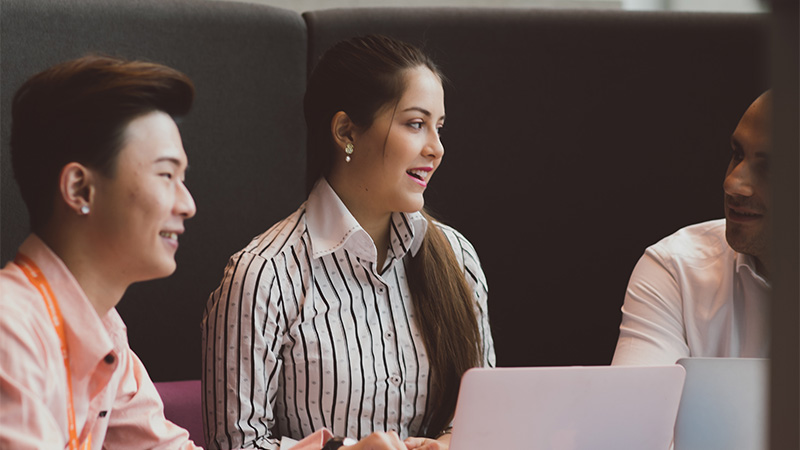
87,334
331,227
746,262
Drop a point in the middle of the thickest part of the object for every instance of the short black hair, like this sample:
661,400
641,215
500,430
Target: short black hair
77,111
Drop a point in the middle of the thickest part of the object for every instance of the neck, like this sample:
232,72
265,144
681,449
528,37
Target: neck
102,289
375,223
761,267
378,230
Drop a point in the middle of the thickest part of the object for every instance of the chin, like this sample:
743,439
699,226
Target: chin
413,205
742,242
163,270
733,235
169,270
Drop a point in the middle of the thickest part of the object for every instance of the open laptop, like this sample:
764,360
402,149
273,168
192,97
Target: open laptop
724,404
567,408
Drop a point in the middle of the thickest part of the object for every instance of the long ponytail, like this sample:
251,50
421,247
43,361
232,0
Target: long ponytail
359,76
445,313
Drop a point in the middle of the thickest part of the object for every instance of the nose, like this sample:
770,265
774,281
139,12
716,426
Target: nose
184,203
434,147
738,181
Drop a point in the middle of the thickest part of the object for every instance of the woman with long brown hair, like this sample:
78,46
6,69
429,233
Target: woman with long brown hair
358,313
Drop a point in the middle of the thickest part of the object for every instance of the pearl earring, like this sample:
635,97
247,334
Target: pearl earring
348,149
85,210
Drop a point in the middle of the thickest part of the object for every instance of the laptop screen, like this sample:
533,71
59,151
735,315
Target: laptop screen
567,408
724,404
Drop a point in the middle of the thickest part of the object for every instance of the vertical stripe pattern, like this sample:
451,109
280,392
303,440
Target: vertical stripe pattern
293,343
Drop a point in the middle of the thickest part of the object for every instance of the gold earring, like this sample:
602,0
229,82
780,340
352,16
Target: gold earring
348,149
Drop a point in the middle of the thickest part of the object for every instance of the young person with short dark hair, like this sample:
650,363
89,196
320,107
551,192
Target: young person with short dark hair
704,291
100,165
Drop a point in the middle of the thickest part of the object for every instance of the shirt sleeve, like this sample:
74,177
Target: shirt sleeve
27,421
476,279
137,418
242,336
472,266
652,331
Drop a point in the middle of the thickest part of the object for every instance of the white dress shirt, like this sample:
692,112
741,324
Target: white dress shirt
691,294
307,331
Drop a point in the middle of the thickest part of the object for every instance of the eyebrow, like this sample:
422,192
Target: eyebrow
170,159
422,110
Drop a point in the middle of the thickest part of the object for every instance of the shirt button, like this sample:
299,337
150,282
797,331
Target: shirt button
389,335
396,380
109,359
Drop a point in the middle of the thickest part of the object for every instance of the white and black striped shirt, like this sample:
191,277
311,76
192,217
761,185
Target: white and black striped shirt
306,332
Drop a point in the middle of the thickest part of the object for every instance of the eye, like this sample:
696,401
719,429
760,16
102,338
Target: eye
416,125
737,154
166,175
762,165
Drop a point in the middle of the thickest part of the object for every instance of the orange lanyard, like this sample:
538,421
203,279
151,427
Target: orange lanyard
38,280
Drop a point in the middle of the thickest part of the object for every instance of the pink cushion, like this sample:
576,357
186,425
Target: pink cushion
182,406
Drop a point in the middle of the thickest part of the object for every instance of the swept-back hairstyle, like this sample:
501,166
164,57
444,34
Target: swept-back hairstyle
77,111
360,76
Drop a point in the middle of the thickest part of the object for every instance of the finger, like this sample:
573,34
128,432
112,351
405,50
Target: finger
395,438
414,442
421,444
429,444
386,440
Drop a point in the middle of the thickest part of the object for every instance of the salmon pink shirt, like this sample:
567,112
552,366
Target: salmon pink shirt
114,399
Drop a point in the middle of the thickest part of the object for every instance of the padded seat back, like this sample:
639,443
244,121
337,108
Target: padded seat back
183,406
574,139
245,136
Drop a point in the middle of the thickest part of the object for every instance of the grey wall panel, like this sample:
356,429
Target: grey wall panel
574,139
245,136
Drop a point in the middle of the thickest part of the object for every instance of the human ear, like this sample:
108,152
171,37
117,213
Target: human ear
342,129
76,187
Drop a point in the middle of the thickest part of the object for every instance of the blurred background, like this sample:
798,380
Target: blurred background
651,5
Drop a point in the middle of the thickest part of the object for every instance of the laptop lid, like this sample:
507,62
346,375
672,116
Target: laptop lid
567,408
724,404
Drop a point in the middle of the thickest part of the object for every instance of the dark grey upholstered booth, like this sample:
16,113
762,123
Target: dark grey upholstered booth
574,139
245,136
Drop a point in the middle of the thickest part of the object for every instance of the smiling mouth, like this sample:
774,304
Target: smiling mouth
743,217
418,174
745,214
169,235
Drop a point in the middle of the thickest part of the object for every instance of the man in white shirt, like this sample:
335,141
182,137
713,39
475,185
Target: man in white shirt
704,291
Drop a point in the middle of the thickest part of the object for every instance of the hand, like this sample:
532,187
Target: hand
417,443
379,441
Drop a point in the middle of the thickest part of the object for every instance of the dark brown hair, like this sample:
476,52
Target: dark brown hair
360,76
77,111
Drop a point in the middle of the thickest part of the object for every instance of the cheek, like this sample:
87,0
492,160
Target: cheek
765,194
150,205
134,197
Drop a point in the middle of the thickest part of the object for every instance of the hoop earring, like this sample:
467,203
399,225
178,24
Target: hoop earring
348,149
